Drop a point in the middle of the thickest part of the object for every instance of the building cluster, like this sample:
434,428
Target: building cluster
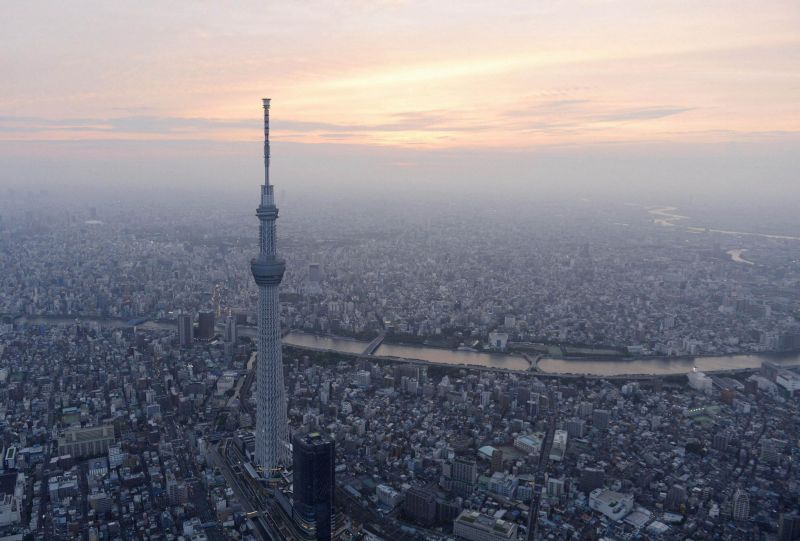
439,453
106,434
463,275
112,433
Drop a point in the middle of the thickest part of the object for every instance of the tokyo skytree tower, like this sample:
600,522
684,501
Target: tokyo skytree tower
272,431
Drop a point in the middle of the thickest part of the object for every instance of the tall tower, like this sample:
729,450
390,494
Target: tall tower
272,429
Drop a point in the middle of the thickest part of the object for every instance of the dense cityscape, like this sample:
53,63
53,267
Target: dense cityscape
474,271
422,451
130,356
612,279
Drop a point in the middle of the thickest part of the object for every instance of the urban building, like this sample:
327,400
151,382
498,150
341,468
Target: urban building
788,527
741,505
614,505
12,491
231,335
464,476
206,322
314,483
420,506
185,330
86,442
474,526
559,447
601,418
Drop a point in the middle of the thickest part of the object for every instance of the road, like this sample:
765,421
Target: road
541,470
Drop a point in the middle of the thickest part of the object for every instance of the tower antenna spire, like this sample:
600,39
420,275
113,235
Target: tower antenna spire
266,102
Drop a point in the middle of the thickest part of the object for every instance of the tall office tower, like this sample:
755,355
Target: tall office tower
314,483
205,325
231,330
497,461
314,273
789,527
185,330
585,409
721,441
590,479
600,419
770,451
576,428
741,505
272,429
420,505
464,475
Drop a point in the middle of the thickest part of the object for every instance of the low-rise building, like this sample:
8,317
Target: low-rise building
475,526
612,504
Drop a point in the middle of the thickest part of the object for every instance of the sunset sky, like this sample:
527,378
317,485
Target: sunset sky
524,76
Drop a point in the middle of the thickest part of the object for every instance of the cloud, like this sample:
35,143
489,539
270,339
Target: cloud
646,113
153,124
123,124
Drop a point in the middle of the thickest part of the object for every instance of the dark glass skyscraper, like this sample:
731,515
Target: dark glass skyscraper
314,483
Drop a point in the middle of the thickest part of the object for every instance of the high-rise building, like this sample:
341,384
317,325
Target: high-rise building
314,483
185,330
231,330
464,476
600,419
590,479
272,429
363,379
789,527
770,451
576,428
314,273
555,487
205,325
741,505
497,460
559,447
420,506
720,441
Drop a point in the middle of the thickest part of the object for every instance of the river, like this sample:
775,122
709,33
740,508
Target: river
308,340
449,356
666,216
547,365
661,366
736,255
410,351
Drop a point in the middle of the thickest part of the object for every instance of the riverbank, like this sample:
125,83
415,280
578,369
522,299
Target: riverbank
637,367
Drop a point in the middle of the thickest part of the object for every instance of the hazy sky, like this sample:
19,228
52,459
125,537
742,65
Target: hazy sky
529,92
